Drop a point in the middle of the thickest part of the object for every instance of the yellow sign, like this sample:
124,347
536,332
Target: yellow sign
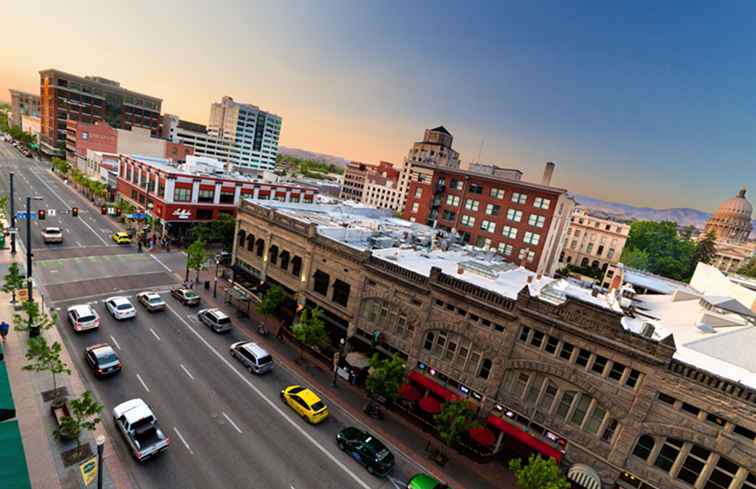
22,295
89,470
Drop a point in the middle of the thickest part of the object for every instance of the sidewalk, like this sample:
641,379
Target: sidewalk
459,472
36,423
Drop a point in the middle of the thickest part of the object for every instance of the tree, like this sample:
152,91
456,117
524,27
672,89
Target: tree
84,417
196,256
706,249
4,207
310,329
539,473
748,268
44,357
455,418
60,165
222,231
667,254
271,301
14,281
35,320
386,376
635,258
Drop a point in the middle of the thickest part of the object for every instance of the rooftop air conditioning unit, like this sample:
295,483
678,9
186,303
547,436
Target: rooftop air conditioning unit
648,330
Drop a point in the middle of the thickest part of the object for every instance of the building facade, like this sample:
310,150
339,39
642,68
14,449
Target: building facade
732,220
373,185
23,103
593,242
90,99
435,149
559,374
195,136
252,133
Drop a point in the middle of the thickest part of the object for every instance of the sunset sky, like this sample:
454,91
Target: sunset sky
647,103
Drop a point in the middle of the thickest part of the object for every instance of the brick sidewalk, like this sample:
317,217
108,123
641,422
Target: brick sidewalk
458,472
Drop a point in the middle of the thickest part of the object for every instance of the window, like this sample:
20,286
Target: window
505,249
665,398
744,432
455,184
541,203
489,226
551,344
468,221
497,193
418,192
689,408
524,333
644,447
565,403
531,238
474,188
485,369
472,205
582,358
320,284
415,207
566,351
226,197
483,242
452,200
296,266
260,247
632,379
599,364
182,194
610,253
428,345
724,473
340,292
526,254
668,454
589,248
547,398
519,198
536,220
694,464
534,389
514,215
518,389
595,419
750,482
492,209
537,339
206,196
449,215
611,427
509,232
273,252
581,408
616,371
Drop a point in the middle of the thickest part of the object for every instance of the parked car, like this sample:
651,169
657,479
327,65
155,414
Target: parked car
121,238
187,297
52,235
120,307
215,319
83,317
367,450
151,300
305,403
255,358
103,360
140,428
425,481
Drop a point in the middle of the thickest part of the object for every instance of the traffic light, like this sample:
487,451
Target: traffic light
41,214
75,211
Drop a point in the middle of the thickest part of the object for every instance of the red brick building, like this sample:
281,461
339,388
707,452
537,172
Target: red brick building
492,208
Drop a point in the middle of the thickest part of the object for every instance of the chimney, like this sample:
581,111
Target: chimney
460,269
548,172
530,279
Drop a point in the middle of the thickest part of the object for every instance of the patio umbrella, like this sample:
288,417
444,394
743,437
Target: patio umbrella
430,405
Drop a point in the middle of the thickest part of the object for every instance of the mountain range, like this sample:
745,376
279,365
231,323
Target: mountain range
311,155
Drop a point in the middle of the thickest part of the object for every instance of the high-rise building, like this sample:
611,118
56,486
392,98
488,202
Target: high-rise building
252,133
22,104
90,99
195,136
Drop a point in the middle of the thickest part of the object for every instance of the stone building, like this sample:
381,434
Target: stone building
732,220
593,242
624,391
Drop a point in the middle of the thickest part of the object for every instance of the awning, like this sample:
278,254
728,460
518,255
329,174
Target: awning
482,436
410,393
13,471
430,405
431,385
516,433
7,409
585,476
357,359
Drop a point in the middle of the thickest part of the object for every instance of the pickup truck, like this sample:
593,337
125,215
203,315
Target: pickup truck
139,426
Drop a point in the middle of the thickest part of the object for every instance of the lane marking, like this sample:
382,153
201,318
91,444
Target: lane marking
232,423
186,371
154,334
142,382
115,342
78,243
161,263
181,437
275,406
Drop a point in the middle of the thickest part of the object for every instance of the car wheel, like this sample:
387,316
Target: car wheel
282,397
342,445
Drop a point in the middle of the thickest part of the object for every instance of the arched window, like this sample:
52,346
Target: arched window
260,247
296,265
428,341
273,254
241,237
584,262
251,242
644,447
485,368
595,265
284,259
569,259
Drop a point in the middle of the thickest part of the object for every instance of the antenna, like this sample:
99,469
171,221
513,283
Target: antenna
482,141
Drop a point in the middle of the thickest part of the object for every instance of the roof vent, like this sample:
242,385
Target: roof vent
648,330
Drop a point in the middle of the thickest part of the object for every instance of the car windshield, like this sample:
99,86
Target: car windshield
318,406
381,455
85,318
107,356
52,231
296,390
264,360
155,300
124,306
189,294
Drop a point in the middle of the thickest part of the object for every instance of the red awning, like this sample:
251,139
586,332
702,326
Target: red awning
516,433
482,436
430,405
431,385
410,393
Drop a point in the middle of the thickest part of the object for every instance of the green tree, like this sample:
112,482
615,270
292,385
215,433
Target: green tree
44,357
635,258
84,417
310,329
271,301
35,320
455,418
4,207
14,281
222,231
667,254
538,473
706,249
748,268
60,165
386,376
196,256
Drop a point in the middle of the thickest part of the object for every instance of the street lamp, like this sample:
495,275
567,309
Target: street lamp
29,254
336,359
12,217
215,281
100,449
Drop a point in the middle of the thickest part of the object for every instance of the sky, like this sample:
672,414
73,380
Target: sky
646,103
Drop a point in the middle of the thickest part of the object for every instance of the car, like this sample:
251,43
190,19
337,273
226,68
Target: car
305,403
188,297
83,317
252,356
120,307
215,319
52,235
151,300
425,481
140,428
103,360
367,450
121,238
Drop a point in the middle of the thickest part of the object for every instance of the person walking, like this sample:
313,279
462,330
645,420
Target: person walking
4,328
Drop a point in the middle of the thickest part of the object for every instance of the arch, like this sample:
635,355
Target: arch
241,236
644,446
585,476
569,258
682,433
595,264
250,242
584,262
260,243
273,254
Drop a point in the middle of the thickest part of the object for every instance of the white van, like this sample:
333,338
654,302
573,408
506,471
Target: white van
255,358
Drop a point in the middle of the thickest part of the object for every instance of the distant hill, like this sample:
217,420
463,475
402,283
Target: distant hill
311,155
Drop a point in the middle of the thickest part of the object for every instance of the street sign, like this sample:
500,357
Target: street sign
22,295
21,215
89,470
12,231
51,212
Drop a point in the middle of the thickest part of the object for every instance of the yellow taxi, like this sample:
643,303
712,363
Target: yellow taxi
305,403
121,238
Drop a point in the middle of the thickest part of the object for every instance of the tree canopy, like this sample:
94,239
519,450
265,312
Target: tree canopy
748,268
664,252
455,418
538,473
386,376
310,329
271,301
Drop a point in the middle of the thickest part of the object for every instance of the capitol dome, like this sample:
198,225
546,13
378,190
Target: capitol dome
732,221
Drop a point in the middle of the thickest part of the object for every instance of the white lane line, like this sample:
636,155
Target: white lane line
142,382
186,371
232,423
78,243
161,263
154,334
115,342
181,437
273,405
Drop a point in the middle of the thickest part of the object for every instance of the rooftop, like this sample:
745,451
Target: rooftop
489,176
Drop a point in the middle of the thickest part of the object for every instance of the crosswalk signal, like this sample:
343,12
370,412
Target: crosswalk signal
75,211
41,214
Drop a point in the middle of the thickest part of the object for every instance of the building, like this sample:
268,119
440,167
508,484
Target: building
22,104
200,190
732,220
252,133
524,222
593,242
355,179
31,125
195,136
90,99
372,185
729,256
623,390
435,149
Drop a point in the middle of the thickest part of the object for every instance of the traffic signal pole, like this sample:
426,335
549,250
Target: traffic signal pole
12,217
29,249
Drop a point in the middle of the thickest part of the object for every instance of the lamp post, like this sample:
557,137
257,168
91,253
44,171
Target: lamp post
215,282
29,253
12,217
336,359
100,449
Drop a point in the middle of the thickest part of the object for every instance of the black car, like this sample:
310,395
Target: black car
103,360
367,450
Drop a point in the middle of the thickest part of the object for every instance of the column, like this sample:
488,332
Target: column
195,191
170,183
288,196
237,194
256,193
216,194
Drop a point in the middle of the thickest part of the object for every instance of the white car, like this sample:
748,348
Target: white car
215,319
52,235
83,317
151,300
120,307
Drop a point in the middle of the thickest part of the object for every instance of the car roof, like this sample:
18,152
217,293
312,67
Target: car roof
82,309
119,299
122,233
103,350
134,410
255,349
217,313
149,293
309,396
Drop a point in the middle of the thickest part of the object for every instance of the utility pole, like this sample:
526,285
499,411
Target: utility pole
28,249
12,217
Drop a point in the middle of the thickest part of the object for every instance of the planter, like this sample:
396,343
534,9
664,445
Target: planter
59,411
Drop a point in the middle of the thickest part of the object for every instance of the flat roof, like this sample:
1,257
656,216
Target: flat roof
92,81
488,176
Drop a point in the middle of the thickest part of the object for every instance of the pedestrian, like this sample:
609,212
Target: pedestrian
4,328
